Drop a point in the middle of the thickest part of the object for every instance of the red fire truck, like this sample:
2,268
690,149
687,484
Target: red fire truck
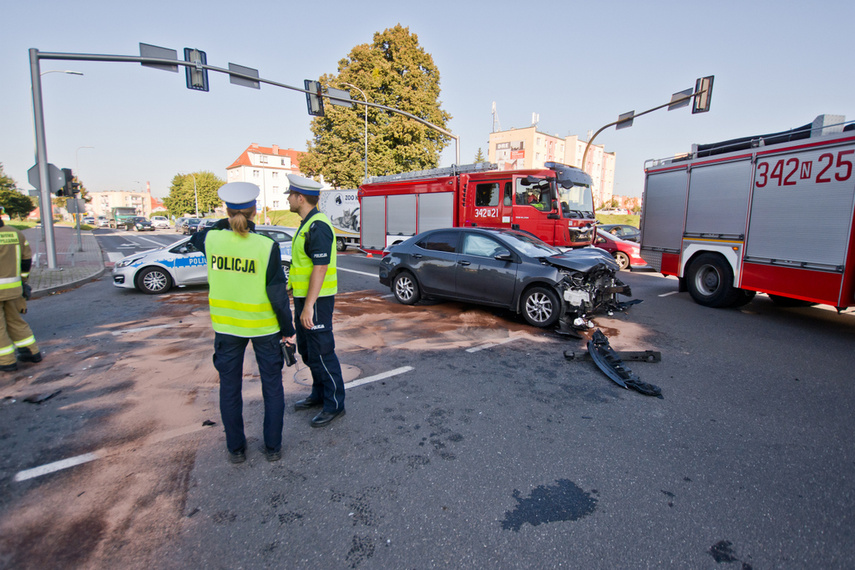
770,213
555,203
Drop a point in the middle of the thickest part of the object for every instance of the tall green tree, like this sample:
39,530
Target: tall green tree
479,156
14,201
395,71
182,198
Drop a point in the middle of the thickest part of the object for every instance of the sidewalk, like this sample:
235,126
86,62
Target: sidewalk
73,267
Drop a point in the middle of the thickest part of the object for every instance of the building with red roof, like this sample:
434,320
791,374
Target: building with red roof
268,168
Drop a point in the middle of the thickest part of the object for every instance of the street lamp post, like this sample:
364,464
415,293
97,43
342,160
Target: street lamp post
366,126
46,209
195,193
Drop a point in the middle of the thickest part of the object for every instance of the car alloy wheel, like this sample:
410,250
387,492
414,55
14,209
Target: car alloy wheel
154,280
406,289
541,307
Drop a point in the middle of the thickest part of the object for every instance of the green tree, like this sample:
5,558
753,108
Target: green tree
393,71
182,199
479,156
15,203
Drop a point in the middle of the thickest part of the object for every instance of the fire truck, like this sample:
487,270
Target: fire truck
555,203
769,213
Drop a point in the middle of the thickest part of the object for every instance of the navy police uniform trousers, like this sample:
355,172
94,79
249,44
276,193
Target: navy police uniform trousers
317,347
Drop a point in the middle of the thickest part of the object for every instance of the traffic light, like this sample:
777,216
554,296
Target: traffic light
65,191
314,99
703,94
197,77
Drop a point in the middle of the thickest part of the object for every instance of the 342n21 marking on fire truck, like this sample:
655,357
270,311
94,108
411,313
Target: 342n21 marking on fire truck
487,213
787,172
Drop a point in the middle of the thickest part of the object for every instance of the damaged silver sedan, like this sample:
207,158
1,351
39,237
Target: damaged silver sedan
504,268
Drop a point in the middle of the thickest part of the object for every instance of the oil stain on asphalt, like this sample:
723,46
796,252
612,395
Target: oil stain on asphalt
564,501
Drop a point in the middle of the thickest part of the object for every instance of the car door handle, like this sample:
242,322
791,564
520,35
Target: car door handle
417,255
461,262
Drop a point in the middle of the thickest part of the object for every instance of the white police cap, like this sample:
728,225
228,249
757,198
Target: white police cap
238,195
305,186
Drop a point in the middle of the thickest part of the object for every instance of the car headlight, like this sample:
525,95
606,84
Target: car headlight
126,262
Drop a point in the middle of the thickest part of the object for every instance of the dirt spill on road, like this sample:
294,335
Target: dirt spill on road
139,392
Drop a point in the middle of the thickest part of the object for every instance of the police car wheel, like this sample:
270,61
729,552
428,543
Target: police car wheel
154,280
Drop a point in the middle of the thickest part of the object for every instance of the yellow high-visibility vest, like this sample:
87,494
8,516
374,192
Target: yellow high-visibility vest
237,281
301,264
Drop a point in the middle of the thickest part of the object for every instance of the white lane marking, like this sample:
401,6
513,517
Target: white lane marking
57,466
138,329
100,454
668,294
359,272
377,377
154,241
491,344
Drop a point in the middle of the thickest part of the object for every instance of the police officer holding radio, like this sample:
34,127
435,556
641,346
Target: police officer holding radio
313,280
248,301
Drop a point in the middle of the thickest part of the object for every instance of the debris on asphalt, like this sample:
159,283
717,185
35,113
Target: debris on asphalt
39,398
609,361
209,423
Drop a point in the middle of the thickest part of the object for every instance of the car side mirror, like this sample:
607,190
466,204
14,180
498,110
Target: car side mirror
504,255
552,216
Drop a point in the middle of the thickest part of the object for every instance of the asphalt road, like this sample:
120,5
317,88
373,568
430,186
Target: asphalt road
495,451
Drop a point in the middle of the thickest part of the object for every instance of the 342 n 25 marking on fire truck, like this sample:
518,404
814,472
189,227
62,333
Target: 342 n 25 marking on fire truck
787,172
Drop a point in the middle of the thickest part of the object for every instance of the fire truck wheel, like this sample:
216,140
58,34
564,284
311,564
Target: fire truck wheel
406,288
710,281
622,259
541,307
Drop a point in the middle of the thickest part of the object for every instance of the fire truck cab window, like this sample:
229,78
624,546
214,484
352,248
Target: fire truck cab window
487,194
531,194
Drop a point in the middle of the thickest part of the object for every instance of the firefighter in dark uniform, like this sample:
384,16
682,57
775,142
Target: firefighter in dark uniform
15,333
314,283
248,300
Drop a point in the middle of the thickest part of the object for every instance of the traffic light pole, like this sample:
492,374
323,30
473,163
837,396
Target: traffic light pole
46,209
167,64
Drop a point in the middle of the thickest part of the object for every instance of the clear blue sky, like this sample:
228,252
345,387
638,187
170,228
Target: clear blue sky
578,65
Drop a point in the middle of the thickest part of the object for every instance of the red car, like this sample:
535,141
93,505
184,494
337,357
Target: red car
626,253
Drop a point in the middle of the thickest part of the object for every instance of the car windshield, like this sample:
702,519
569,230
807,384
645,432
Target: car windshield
139,219
529,245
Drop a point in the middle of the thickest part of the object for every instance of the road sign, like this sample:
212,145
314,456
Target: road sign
337,94
55,177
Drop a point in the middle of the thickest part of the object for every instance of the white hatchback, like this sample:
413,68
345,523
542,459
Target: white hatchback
180,264
160,222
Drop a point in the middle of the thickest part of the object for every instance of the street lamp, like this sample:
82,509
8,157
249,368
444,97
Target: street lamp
45,205
195,194
366,126
68,71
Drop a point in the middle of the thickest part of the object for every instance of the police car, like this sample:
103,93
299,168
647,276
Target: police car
180,264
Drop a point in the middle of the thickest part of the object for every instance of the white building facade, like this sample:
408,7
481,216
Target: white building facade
268,168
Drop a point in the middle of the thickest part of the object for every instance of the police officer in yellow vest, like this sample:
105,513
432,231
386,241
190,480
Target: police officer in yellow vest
313,280
15,333
248,301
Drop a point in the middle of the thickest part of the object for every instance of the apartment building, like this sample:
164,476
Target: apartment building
529,148
102,202
267,167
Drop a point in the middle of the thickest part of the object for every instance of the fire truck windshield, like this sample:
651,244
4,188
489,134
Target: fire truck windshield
576,201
